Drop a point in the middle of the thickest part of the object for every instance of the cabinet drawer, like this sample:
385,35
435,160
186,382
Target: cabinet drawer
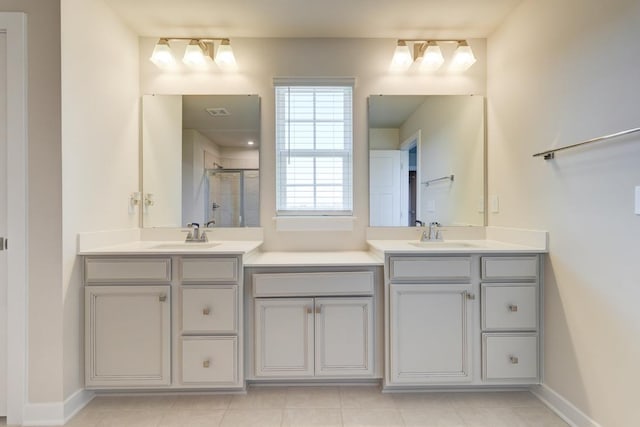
510,356
210,360
509,306
523,268
313,284
429,268
127,270
210,309
208,270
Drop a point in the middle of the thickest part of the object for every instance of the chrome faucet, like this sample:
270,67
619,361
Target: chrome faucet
433,234
195,235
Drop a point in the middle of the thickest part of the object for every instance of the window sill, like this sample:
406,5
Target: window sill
314,223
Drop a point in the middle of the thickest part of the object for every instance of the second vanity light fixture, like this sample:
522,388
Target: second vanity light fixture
427,55
197,54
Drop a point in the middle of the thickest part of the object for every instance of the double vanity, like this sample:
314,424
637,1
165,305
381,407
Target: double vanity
173,315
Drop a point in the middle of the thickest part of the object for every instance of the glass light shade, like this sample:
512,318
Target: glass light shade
432,58
193,54
162,56
463,57
225,58
402,58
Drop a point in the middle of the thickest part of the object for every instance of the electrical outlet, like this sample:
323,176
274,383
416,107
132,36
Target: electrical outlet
495,204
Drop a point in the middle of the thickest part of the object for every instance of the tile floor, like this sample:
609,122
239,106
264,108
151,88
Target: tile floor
319,406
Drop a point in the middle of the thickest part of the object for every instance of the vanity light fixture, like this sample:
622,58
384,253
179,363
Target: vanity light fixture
197,54
428,56
162,56
401,57
463,57
225,58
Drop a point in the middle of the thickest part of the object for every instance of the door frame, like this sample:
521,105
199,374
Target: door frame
415,140
14,25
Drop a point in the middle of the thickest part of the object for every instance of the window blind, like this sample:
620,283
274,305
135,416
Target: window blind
314,149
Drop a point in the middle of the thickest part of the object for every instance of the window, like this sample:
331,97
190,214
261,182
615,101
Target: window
314,149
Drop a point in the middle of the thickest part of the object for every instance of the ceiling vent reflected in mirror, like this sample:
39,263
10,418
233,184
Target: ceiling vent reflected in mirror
218,111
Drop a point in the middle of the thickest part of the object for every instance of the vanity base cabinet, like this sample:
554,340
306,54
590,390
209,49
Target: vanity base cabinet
284,337
431,331
307,337
344,336
128,336
172,322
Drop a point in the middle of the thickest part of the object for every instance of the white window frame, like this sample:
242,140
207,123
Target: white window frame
284,153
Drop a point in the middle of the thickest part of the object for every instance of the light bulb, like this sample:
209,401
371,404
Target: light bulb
193,54
463,57
225,58
162,56
432,58
402,58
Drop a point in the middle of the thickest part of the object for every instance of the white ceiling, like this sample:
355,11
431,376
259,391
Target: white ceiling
235,130
314,18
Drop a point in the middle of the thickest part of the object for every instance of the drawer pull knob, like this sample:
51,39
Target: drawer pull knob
206,364
309,310
319,309
513,360
470,295
162,298
513,308
206,311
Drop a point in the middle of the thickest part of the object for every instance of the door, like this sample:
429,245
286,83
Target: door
284,337
3,224
388,202
344,336
127,329
430,327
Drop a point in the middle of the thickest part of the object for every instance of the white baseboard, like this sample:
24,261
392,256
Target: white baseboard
56,413
561,406
74,403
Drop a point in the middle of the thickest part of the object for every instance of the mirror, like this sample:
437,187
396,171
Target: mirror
426,160
200,160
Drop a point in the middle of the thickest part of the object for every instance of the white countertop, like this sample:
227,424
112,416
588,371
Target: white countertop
313,259
146,247
451,247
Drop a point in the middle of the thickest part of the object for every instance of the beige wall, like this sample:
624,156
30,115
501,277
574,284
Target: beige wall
561,72
384,139
45,202
100,134
262,59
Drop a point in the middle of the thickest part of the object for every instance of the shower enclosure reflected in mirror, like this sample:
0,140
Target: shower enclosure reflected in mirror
200,160
233,196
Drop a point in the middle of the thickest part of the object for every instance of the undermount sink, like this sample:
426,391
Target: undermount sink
185,245
441,244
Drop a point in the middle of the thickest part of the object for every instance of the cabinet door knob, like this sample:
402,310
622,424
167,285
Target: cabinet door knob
309,310
470,295
162,298
206,363
513,360
513,307
318,309
206,311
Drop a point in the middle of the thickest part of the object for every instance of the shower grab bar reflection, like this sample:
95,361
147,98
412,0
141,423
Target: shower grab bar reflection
550,154
442,178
